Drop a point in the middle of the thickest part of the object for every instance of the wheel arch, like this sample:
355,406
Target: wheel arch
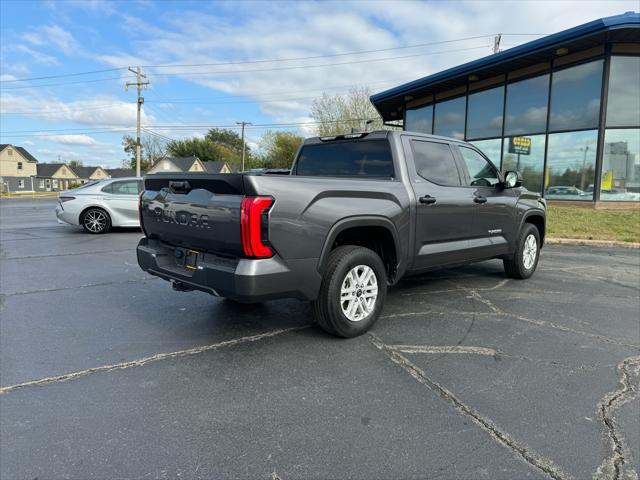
539,220
382,238
101,207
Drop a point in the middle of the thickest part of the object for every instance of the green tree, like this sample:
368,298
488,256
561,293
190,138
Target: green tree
203,148
74,163
227,138
151,149
279,149
338,114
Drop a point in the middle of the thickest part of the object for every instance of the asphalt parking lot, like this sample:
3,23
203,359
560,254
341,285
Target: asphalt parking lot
106,372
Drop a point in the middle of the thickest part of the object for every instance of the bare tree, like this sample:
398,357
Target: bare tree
339,113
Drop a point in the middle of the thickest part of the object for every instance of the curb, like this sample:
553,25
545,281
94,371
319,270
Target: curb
591,243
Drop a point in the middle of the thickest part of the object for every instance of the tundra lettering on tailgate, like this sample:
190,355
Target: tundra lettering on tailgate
181,217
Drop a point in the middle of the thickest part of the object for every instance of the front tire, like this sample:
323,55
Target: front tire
525,259
96,221
353,291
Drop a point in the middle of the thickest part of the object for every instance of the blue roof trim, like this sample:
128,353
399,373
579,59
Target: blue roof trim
625,20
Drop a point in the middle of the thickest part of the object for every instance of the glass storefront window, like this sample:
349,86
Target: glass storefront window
491,148
575,97
449,118
623,101
484,115
571,165
419,119
620,179
526,155
527,106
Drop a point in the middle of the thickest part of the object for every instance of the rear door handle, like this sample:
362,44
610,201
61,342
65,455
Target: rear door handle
480,199
428,199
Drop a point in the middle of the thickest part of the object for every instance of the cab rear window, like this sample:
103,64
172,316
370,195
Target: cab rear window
368,158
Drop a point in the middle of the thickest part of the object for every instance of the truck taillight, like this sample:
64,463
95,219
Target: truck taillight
254,223
140,211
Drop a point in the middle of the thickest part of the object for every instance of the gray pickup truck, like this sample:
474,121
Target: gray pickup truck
354,215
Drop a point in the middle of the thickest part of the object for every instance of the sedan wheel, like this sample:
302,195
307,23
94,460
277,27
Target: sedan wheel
96,221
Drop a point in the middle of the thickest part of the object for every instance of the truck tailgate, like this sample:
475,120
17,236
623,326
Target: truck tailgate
196,211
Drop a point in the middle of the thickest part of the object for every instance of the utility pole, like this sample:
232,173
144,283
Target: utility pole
243,149
140,84
496,43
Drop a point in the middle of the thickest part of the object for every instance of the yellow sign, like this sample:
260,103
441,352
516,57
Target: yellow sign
607,180
520,145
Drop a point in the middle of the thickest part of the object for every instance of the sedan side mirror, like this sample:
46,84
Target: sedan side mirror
512,179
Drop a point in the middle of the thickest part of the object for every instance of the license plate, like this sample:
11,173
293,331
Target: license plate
187,258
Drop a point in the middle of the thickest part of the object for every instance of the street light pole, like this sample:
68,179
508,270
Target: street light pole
584,162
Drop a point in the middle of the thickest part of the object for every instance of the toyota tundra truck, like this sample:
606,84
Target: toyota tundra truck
355,214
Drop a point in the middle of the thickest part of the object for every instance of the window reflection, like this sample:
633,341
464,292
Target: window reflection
449,118
529,164
621,165
575,97
491,148
623,102
484,118
419,119
527,106
571,163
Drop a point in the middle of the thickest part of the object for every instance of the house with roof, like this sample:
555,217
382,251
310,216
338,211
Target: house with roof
217,167
86,174
188,164
177,164
54,177
17,168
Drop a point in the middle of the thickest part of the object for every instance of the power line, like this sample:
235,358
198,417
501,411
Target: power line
315,57
77,74
100,130
295,67
246,62
65,83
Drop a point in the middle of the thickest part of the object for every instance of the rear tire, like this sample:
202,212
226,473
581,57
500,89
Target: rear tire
353,292
96,221
525,259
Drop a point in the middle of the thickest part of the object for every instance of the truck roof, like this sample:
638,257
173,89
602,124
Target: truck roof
375,135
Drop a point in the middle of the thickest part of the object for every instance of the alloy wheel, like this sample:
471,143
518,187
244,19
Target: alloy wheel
358,293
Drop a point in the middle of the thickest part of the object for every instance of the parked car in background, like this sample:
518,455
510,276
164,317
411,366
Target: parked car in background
564,192
356,213
98,206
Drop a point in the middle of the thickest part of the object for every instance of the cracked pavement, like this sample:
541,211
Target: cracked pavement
106,372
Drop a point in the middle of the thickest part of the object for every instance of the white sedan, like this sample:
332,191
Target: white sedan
100,205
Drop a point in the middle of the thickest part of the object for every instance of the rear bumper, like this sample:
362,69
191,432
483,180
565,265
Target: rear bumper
243,280
65,216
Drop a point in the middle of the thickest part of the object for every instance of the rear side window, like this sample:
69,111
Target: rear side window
370,158
435,162
130,187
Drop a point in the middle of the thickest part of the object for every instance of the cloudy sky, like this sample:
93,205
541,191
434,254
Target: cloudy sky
216,63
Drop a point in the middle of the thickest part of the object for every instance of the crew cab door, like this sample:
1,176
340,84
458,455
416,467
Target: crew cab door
444,206
494,222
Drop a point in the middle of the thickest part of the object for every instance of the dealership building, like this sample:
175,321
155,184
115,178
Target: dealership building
564,110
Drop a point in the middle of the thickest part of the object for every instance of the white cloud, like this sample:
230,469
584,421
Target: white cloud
38,57
52,35
72,139
101,111
286,30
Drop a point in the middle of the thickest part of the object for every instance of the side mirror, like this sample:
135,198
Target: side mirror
512,179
